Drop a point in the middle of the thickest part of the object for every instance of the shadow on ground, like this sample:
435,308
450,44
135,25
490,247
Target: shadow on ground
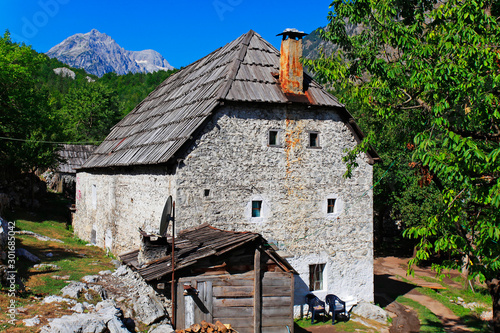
387,289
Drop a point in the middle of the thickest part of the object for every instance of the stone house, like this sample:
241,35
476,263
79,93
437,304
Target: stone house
243,140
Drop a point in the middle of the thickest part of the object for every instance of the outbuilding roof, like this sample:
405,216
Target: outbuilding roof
73,157
195,244
242,71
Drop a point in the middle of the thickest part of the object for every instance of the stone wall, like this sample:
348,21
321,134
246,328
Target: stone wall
112,206
233,164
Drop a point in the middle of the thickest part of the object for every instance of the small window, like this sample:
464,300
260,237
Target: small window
316,276
314,139
94,196
256,208
273,138
330,208
206,193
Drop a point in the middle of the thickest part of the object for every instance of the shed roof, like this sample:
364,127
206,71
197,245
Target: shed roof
73,156
195,244
241,71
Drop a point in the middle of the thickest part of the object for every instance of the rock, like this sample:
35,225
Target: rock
46,267
371,311
65,72
49,255
487,315
81,322
57,277
105,304
117,326
38,236
26,254
107,319
74,289
90,278
121,271
148,309
107,272
117,263
57,299
99,290
32,321
79,308
89,297
163,328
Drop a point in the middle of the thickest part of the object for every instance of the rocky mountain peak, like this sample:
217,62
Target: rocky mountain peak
99,54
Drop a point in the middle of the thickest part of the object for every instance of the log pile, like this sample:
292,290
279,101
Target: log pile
206,327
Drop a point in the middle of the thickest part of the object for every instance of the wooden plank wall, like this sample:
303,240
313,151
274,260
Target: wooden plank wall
230,299
233,301
277,302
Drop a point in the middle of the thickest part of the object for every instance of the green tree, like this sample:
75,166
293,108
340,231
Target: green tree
439,61
88,112
25,119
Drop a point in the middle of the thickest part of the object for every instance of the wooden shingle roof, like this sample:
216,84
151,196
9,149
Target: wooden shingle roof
156,128
195,244
73,157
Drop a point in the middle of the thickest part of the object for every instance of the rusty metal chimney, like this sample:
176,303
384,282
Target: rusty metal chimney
291,71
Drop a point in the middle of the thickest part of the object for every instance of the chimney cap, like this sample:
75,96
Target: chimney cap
292,33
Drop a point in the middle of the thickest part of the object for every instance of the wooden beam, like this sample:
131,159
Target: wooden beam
257,295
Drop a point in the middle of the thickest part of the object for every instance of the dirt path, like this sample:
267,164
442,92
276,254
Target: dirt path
389,284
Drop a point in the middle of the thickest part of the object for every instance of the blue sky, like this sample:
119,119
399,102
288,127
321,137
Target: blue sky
182,31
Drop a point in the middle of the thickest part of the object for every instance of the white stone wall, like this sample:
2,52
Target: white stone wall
233,162
116,205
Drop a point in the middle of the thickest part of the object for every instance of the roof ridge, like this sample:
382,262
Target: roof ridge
233,71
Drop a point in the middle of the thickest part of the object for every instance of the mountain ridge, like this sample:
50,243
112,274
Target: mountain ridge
99,54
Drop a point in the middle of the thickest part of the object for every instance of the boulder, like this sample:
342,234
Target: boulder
90,278
74,289
57,299
79,308
81,322
371,311
26,254
121,271
163,328
46,267
148,309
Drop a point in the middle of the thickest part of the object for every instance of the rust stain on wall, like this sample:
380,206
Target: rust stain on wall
293,146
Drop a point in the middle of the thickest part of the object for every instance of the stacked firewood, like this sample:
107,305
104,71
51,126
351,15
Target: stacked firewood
206,327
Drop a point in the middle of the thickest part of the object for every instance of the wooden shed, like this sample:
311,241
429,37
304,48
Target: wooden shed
233,277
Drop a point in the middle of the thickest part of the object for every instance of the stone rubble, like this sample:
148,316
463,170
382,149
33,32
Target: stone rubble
137,301
107,318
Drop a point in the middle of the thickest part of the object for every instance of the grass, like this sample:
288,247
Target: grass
343,326
73,257
471,318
